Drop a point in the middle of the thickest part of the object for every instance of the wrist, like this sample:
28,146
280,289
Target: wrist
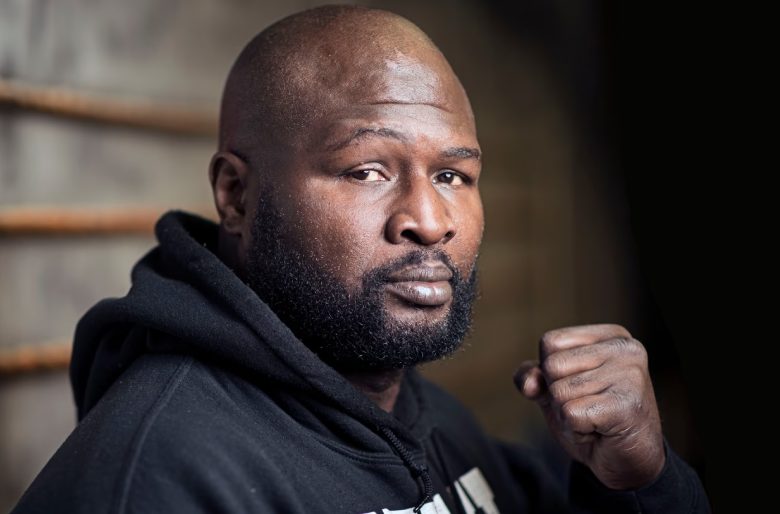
643,476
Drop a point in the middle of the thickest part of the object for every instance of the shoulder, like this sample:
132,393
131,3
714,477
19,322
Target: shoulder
87,471
154,436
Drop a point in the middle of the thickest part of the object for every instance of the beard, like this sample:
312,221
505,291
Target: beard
351,331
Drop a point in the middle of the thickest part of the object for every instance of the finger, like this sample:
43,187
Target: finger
584,358
575,386
598,414
570,337
529,380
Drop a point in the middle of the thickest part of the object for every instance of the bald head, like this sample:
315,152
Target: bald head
313,63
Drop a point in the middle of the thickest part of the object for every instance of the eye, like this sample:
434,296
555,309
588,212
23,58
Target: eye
449,177
367,175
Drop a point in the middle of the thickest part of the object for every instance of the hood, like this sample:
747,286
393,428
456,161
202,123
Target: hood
192,303
182,291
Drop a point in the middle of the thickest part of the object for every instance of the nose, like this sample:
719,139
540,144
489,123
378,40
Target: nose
421,215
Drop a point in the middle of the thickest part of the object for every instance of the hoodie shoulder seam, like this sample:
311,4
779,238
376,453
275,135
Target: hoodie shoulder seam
140,436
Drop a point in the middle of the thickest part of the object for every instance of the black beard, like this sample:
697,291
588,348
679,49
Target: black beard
351,332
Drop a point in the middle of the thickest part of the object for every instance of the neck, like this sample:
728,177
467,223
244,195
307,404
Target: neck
381,387
228,252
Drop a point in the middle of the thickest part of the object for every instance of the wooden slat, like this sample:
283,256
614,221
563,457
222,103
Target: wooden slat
35,357
136,113
82,221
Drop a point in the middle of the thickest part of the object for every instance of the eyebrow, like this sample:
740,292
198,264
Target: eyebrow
460,152
364,133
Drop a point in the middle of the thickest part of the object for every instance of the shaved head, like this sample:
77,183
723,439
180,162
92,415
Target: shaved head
314,62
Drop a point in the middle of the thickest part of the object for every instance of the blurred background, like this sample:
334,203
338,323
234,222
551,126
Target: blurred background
108,115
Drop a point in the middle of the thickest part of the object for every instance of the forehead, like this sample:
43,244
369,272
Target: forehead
408,123
422,78
410,96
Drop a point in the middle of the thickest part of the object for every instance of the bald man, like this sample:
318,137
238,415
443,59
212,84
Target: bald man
267,363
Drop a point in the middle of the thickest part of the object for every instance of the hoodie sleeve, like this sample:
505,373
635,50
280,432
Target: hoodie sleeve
676,490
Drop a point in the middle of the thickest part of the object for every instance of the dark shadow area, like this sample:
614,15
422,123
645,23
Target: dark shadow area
632,82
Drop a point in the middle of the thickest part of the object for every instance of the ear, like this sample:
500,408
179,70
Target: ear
229,176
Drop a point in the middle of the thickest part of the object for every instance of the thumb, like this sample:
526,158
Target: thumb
529,380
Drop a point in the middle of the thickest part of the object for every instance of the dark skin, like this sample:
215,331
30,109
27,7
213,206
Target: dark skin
391,164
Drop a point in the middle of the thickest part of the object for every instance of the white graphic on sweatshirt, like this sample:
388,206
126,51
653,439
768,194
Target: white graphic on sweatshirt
474,494
436,506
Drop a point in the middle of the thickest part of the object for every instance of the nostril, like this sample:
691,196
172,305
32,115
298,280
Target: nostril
411,235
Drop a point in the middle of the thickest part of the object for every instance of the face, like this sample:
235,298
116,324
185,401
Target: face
365,240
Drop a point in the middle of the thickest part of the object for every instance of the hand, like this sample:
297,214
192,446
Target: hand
594,388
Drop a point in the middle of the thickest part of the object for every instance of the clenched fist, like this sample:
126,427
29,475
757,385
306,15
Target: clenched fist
594,388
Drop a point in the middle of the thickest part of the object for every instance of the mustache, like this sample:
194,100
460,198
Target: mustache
382,274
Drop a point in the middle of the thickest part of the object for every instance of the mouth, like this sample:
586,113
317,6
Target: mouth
423,286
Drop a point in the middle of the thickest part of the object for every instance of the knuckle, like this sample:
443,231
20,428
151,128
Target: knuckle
547,342
553,366
569,412
635,374
635,346
630,406
627,405
618,400
640,351
628,346
620,344
578,380
595,410
559,390
580,352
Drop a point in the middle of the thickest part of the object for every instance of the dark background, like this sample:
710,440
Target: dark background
668,95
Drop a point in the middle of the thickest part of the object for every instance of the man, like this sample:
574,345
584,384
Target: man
267,364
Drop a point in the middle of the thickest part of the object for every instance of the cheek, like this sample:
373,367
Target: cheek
340,236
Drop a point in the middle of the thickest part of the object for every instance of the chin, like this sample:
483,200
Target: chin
409,313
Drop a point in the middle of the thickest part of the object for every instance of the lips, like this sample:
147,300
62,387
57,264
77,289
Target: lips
426,285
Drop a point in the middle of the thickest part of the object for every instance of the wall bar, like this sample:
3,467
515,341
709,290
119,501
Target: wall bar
56,221
35,357
134,113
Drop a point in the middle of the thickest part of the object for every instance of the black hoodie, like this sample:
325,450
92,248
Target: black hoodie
193,396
